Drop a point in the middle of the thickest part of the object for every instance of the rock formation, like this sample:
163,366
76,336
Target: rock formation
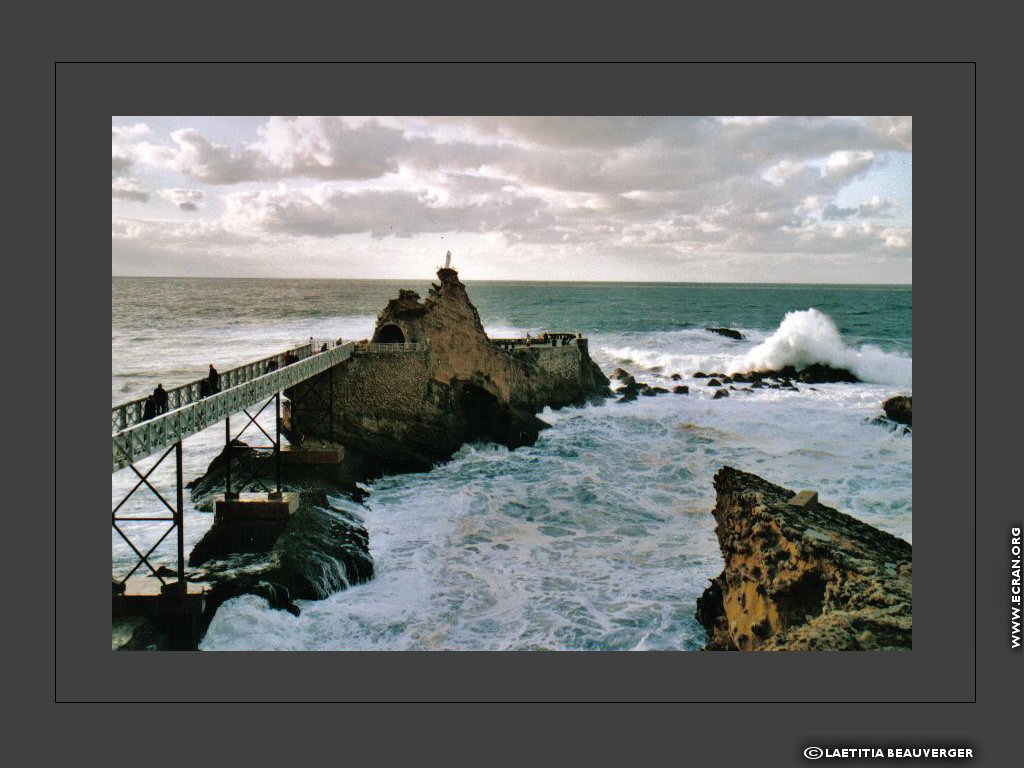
729,333
315,552
801,576
403,408
815,373
899,409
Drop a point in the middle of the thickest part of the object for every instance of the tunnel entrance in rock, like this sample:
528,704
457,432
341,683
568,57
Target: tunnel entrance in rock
804,598
390,334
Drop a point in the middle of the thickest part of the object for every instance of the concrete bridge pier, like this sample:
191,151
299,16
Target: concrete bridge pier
271,504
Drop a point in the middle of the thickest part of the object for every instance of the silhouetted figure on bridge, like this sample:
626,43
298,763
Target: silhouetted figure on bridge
272,365
213,380
149,408
324,347
160,399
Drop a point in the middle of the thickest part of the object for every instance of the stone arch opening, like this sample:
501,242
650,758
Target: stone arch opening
390,334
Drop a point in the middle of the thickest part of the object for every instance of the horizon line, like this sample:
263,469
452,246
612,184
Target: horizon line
499,280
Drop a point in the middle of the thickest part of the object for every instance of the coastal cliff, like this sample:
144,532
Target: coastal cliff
801,576
431,380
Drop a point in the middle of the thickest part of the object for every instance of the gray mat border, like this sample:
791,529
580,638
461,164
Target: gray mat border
941,97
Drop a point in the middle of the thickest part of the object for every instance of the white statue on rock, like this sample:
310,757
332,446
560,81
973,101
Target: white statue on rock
448,260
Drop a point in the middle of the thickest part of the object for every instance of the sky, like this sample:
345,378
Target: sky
687,199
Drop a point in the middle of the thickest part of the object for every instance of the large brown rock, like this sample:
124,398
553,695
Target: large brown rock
406,410
802,577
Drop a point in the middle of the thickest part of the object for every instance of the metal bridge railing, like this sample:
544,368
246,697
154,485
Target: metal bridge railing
241,388
128,414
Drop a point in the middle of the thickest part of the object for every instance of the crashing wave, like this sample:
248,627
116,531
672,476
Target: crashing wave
810,336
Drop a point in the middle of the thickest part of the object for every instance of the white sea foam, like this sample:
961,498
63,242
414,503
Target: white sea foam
599,536
810,336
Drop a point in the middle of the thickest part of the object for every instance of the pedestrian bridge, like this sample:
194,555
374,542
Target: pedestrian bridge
241,388
254,387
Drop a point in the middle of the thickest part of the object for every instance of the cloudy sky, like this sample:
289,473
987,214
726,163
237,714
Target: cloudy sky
749,199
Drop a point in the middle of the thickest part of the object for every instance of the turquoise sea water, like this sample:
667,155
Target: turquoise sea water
599,536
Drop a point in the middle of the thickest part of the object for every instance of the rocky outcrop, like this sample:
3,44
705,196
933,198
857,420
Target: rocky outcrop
729,333
407,410
317,551
801,576
815,373
899,409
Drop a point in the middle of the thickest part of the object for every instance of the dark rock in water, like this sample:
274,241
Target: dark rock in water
899,409
801,576
727,379
676,377
757,384
713,383
681,389
659,390
727,332
894,426
721,393
700,375
740,377
138,633
317,551
816,373
825,374
619,374
717,375
631,390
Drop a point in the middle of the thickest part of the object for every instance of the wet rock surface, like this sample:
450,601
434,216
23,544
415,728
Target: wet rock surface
802,577
317,551
899,409
729,333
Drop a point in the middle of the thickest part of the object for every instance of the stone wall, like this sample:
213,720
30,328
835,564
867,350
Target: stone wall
564,364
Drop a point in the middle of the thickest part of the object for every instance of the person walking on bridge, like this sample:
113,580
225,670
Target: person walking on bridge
160,399
213,380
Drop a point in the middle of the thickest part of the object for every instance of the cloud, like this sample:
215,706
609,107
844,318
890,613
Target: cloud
129,132
876,207
185,199
119,166
128,189
665,188
897,131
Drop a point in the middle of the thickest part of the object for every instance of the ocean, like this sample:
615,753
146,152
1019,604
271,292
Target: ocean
600,536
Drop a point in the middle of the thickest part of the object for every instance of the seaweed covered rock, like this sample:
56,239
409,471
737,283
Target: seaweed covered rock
801,576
